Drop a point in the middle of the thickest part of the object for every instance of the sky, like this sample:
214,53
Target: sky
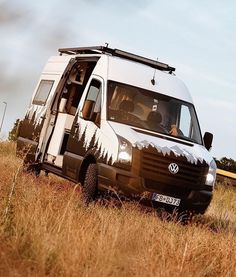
196,37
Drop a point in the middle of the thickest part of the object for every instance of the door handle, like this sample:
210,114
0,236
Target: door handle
76,125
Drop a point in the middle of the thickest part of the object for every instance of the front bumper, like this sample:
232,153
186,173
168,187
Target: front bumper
132,186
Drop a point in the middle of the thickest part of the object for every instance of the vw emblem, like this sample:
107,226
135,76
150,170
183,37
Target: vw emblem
173,168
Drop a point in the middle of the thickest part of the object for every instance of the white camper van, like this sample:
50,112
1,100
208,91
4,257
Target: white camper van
109,119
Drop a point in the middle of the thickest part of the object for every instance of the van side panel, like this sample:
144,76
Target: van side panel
30,127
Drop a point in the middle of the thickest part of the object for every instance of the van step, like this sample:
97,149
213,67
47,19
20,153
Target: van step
52,168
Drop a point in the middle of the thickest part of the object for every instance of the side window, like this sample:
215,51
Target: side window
92,105
42,92
185,121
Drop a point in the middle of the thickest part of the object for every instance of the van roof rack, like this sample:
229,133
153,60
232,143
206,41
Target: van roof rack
118,53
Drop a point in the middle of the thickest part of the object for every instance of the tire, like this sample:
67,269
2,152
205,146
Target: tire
185,217
89,189
32,168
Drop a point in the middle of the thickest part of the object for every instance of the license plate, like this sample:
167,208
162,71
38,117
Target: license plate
166,199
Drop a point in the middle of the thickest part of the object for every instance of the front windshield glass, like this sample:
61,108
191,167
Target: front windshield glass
152,111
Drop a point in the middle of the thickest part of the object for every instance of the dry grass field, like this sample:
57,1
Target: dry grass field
46,231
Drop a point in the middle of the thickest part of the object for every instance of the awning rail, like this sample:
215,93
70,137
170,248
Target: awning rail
118,53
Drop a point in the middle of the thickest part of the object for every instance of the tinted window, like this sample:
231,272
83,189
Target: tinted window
92,105
43,91
152,111
185,120
94,94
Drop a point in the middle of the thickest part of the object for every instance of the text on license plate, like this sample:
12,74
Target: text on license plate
166,199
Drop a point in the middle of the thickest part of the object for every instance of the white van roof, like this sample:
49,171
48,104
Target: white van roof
140,75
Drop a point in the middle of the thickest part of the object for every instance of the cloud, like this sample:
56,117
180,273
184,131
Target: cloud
124,3
217,104
11,14
201,74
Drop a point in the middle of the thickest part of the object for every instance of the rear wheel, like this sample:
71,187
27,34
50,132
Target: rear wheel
32,168
89,189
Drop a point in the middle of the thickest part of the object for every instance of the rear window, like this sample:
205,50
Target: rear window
42,92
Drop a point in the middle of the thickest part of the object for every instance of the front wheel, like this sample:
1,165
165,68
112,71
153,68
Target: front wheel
185,217
89,189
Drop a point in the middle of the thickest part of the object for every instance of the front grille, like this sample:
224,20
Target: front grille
154,169
167,189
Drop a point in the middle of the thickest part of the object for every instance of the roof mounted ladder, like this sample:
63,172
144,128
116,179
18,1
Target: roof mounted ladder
117,53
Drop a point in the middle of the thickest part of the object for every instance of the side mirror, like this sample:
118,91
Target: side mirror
207,139
87,110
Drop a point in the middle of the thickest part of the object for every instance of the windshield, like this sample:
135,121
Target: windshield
152,111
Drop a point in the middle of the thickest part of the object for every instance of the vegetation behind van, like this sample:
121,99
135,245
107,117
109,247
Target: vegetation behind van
113,120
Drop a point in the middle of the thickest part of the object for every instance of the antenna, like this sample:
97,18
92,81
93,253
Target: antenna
153,81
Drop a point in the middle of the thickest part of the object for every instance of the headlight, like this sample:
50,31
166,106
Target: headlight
211,175
125,151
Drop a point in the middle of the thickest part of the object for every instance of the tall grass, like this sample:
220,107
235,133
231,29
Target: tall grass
47,231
